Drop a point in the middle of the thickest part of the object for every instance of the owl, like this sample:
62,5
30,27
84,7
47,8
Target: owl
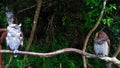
14,38
101,44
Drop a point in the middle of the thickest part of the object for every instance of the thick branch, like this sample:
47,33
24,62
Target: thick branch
116,53
37,12
96,25
92,30
36,16
50,54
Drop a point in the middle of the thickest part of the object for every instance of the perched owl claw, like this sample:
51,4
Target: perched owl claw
15,51
102,55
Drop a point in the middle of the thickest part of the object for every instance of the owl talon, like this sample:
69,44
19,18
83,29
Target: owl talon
15,51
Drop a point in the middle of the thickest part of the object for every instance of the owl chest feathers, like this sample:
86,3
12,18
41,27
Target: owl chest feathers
14,37
101,49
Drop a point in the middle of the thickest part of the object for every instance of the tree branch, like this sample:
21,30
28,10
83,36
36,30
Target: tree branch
116,54
50,54
91,31
117,51
26,9
37,12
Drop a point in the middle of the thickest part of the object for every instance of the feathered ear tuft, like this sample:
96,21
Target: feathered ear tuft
96,35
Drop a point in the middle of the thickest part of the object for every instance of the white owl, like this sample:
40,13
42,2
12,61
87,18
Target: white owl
14,38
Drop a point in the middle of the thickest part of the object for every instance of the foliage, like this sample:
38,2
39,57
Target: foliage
2,16
71,23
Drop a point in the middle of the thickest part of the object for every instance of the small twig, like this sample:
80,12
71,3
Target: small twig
51,29
7,65
26,9
60,65
116,53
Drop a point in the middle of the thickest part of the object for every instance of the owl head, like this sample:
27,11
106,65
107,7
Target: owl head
101,36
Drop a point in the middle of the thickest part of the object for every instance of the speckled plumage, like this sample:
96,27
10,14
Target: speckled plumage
101,44
14,37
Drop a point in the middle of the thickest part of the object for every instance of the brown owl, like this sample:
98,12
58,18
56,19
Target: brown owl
101,44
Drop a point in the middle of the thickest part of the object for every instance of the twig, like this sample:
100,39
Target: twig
50,54
116,53
91,31
51,29
60,65
26,9
7,65
36,16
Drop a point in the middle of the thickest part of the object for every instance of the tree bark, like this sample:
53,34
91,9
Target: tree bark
91,31
36,16
65,50
115,55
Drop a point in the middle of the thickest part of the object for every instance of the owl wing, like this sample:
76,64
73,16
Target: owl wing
7,41
108,41
21,38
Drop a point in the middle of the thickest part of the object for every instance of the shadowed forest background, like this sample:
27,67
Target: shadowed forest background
61,24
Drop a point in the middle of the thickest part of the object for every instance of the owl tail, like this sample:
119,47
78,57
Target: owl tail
15,55
15,51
